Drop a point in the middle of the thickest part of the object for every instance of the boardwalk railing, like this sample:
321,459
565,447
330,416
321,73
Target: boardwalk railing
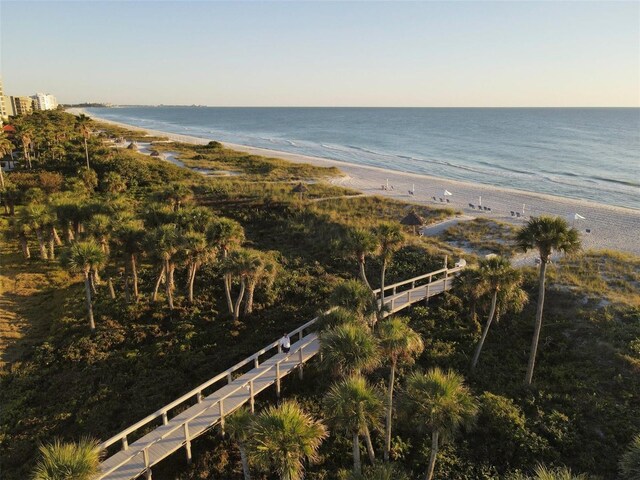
172,437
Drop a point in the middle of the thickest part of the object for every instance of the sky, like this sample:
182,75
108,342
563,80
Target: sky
300,53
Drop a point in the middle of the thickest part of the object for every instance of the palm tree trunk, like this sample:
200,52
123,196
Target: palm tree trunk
363,274
382,279
538,326
245,462
56,237
248,305
93,282
370,451
41,244
357,464
24,245
112,292
134,275
192,279
68,233
52,245
227,291
154,297
236,310
387,438
492,313
87,291
434,452
86,151
169,283
2,180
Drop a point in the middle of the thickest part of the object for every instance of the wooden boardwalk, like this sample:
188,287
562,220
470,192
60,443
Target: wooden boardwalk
198,411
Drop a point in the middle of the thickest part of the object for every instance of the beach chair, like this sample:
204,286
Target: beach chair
488,209
588,230
472,206
518,214
448,200
433,198
441,200
513,214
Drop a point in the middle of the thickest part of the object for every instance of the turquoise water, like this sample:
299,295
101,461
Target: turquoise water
583,153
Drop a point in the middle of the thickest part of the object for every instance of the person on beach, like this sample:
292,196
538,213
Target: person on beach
285,343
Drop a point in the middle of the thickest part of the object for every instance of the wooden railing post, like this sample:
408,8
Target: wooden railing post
300,374
221,411
199,397
445,282
229,379
300,335
187,443
427,297
251,400
125,444
147,466
278,379
165,418
256,363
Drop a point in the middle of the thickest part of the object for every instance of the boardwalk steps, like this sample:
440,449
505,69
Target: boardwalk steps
137,458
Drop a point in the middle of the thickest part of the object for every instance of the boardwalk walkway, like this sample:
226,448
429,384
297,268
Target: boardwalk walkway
199,411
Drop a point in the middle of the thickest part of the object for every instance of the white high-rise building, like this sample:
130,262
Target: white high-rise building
44,101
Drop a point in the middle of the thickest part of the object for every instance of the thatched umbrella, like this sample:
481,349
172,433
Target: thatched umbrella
300,189
132,146
412,219
155,153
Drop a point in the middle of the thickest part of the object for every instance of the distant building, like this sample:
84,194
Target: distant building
8,106
22,105
44,101
3,106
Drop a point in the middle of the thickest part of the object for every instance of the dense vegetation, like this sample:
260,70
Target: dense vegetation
152,250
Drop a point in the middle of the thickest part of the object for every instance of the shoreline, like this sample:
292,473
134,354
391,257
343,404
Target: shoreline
611,227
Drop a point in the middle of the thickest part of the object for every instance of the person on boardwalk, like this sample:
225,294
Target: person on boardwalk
285,343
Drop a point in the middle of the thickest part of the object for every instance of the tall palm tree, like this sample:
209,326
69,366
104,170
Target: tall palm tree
20,228
177,194
399,343
129,239
101,227
390,239
6,147
499,279
282,437
86,257
238,426
241,265
166,241
83,126
546,234
26,135
360,243
228,235
349,349
469,287
264,272
440,402
36,216
355,407
68,461
197,252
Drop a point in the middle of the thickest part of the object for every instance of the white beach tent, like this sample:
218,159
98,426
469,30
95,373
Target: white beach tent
447,193
575,216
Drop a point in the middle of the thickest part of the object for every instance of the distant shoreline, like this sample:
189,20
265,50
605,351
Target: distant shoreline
612,227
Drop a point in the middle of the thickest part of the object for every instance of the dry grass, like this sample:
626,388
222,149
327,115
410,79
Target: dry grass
482,236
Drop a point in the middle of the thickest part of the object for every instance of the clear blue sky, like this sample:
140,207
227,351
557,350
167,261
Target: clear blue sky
325,53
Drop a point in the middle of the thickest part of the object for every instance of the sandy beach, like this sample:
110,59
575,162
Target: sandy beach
610,227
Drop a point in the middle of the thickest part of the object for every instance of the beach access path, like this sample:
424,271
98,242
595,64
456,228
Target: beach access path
610,227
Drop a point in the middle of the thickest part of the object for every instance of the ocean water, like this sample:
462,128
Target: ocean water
584,153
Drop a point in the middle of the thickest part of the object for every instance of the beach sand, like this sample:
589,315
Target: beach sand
611,227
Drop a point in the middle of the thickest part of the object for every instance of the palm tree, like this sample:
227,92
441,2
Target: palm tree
129,239
353,406
20,229
100,227
238,426
36,217
337,316
399,343
546,234
26,138
264,272
498,278
83,126
442,403
86,257
113,183
469,287
177,194
6,147
283,437
541,472
361,243
166,242
68,461
390,239
241,264
228,235
355,296
349,349
630,460
197,252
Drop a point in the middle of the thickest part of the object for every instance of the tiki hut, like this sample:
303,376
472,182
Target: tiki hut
155,153
132,146
413,220
300,189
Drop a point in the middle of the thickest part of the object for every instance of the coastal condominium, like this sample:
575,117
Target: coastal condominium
3,107
44,101
22,105
8,106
